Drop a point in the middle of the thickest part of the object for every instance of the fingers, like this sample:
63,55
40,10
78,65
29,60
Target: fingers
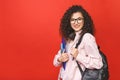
74,52
64,57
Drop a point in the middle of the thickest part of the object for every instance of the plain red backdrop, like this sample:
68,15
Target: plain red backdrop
29,36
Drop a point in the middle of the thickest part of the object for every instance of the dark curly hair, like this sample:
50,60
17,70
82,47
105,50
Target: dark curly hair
66,30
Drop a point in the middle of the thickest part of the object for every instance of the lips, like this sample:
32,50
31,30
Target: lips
76,26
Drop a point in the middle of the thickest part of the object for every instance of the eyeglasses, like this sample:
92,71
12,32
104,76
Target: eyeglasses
79,20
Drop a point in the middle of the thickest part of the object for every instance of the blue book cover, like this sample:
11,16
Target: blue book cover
63,45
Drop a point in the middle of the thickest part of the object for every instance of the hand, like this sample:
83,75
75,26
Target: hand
63,58
74,52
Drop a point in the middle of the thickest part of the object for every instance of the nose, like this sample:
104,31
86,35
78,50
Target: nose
76,22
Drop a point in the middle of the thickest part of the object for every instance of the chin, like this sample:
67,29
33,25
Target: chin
77,30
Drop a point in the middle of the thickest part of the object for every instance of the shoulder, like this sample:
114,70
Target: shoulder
88,36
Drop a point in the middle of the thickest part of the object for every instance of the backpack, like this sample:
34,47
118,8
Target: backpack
95,74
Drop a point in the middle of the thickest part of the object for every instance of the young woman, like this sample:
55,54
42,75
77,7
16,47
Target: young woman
75,22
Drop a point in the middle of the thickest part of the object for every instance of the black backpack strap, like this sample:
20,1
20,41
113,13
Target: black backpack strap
77,47
79,41
79,67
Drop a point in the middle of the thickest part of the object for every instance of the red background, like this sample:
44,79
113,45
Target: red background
29,36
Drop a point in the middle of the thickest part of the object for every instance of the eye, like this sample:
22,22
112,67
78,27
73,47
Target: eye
80,18
72,19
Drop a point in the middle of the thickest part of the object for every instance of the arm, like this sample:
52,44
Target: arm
55,61
89,55
59,58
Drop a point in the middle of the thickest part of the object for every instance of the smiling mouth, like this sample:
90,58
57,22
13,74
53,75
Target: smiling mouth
76,26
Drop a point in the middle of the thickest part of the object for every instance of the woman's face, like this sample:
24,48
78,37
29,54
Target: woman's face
77,21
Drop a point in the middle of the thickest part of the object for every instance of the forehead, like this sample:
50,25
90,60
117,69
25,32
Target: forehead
76,15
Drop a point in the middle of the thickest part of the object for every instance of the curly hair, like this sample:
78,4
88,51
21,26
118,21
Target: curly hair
66,30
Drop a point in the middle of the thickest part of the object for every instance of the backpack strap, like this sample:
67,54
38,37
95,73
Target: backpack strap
77,47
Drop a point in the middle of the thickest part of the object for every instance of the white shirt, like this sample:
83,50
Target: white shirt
88,57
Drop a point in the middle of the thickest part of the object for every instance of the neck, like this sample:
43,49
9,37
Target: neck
78,32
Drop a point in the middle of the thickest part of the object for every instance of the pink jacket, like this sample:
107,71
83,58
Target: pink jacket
88,57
